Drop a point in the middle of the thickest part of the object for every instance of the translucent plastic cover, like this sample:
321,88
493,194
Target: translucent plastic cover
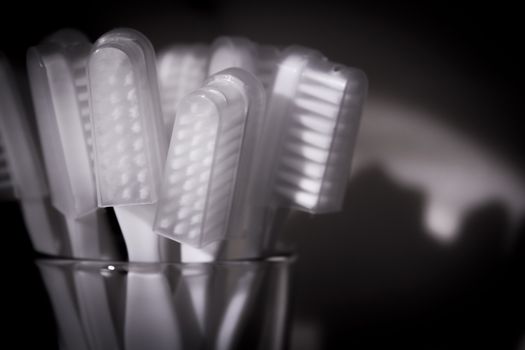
210,158
18,142
130,146
261,61
182,70
58,77
311,126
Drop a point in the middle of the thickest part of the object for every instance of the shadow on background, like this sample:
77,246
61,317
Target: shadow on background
371,276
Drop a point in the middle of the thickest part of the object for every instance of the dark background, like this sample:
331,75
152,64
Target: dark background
369,277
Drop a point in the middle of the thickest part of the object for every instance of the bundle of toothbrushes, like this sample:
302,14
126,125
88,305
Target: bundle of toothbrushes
192,151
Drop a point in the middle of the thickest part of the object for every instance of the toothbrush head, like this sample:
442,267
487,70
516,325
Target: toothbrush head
58,78
130,146
260,60
210,158
182,69
317,106
21,164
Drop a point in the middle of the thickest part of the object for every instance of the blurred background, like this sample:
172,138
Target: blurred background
429,251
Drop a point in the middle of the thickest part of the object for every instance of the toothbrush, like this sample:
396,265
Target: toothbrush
235,295
57,69
57,72
206,178
261,61
210,158
62,296
306,143
181,69
225,52
305,147
129,152
313,114
130,146
25,169
311,125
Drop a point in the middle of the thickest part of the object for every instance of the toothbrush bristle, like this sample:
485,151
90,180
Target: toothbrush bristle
82,91
319,137
5,178
181,71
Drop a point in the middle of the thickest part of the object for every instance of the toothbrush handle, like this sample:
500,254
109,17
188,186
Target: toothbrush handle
94,309
42,224
136,223
91,237
61,294
150,320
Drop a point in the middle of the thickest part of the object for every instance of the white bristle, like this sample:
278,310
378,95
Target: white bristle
318,107
205,159
6,184
326,79
318,131
312,122
82,88
181,70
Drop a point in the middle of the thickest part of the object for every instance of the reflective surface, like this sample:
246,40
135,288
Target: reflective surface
224,305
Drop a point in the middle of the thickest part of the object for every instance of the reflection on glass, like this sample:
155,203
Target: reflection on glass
224,305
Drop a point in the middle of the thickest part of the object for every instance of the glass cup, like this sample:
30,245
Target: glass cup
120,305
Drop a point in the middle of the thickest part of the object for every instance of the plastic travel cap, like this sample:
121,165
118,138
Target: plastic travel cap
58,77
210,158
127,119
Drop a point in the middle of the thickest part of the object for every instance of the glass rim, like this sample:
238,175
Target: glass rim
286,258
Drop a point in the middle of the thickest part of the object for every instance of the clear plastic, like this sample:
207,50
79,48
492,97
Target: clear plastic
57,72
181,69
22,165
210,158
260,60
130,145
311,125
